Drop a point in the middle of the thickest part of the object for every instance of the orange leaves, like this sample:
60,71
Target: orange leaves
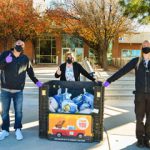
69,22
20,19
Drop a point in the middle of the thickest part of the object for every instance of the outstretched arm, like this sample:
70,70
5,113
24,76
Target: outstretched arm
128,67
31,73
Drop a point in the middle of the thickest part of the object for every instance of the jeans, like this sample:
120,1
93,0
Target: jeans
142,109
6,101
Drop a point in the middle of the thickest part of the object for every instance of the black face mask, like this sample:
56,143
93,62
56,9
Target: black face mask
69,60
146,50
18,48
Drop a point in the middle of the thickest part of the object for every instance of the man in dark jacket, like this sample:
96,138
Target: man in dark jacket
70,70
14,65
142,94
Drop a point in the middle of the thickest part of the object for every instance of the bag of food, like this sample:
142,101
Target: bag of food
88,98
53,105
59,97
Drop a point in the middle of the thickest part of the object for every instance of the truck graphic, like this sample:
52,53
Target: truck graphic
59,132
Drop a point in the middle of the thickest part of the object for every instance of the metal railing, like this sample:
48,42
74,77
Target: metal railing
88,67
120,62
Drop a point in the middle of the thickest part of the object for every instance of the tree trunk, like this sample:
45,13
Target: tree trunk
5,42
104,62
99,56
34,42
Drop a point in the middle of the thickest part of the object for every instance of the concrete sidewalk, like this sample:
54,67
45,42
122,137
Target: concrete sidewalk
119,129
119,134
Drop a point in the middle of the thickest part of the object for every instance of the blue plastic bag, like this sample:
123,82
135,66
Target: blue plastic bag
69,107
78,100
66,95
59,97
88,98
84,106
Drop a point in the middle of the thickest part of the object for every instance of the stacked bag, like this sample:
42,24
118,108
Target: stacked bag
62,102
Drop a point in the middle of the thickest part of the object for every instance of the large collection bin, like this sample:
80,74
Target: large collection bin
88,127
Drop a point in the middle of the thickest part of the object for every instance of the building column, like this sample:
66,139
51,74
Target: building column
86,50
115,48
59,48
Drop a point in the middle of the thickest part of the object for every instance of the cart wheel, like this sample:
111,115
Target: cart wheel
59,134
80,135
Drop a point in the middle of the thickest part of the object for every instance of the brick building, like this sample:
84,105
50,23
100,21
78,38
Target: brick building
52,50
129,46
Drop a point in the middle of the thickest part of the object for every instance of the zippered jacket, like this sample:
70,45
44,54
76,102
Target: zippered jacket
13,74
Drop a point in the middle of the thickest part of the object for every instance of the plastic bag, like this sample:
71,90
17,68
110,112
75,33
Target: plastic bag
78,100
88,98
84,106
69,107
66,95
53,105
59,97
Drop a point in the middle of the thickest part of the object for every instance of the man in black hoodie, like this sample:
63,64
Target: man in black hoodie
142,92
14,65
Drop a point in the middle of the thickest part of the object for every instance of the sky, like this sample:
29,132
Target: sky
144,28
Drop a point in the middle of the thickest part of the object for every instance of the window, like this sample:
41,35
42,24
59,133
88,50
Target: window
71,42
127,53
46,50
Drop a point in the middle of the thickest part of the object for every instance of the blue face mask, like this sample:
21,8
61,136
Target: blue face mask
18,48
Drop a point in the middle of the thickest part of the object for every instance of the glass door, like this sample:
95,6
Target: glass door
46,51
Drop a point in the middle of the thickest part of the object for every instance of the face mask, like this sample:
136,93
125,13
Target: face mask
69,60
146,50
18,48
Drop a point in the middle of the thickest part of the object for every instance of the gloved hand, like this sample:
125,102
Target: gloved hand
106,84
8,58
39,84
97,81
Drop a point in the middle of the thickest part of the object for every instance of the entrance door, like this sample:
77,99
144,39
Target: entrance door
47,51
64,51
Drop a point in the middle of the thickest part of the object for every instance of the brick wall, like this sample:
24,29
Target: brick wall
28,48
117,47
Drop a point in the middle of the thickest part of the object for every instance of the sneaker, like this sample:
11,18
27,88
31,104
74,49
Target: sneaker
140,143
19,135
3,134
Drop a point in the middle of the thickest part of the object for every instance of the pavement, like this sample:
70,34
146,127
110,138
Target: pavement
119,127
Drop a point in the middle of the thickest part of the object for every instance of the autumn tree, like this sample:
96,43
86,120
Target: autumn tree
19,20
139,9
5,31
97,22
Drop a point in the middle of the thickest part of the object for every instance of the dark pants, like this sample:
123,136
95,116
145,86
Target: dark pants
6,101
142,109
